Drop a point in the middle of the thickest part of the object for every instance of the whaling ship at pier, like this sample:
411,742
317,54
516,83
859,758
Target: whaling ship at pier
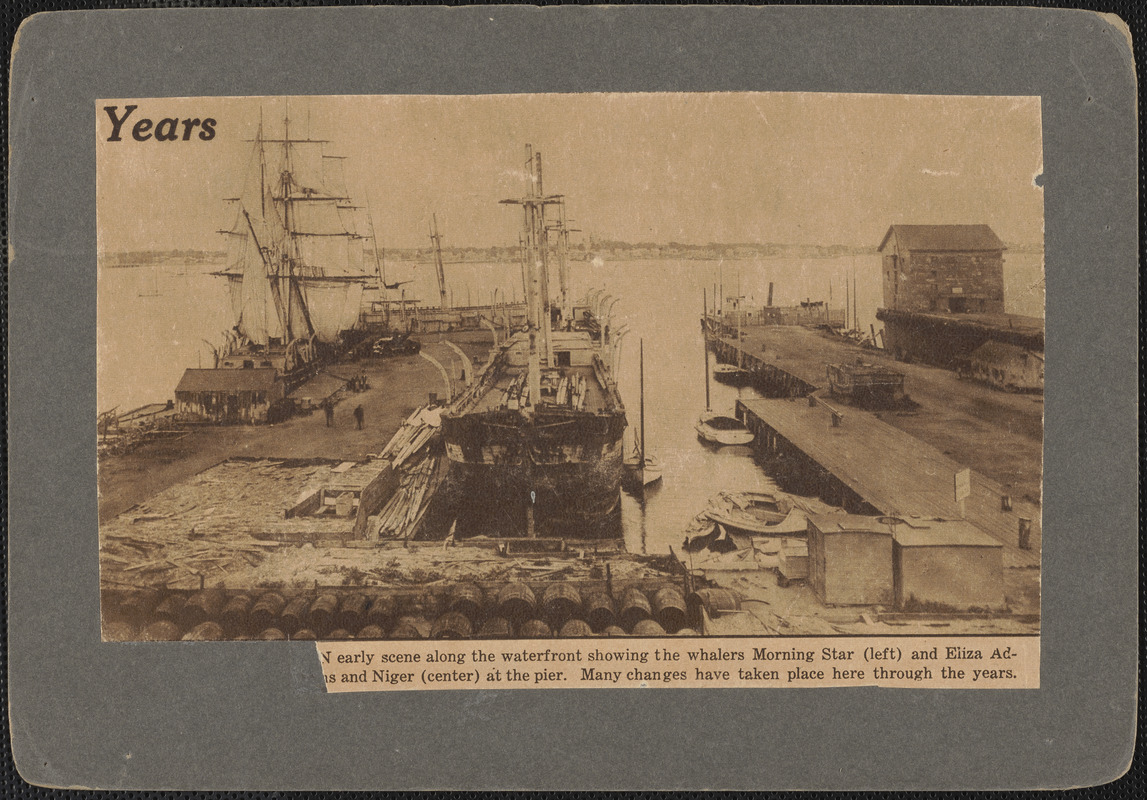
536,441
295,275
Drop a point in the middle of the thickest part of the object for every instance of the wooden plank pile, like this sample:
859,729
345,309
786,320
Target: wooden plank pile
414,434
571,392
212,526
420,475
517,393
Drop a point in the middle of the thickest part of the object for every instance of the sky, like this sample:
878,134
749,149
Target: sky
793,168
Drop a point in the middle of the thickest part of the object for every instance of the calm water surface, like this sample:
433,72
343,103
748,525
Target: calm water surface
153,323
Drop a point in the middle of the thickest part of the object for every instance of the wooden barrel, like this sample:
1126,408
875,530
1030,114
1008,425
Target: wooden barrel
380,612
496,628
304,634
352,611
634,608
118,632
271,635
235,615
470,600
648,627
406,628
687,632
321,614
669,608
452,625
535,629
203,606
516,602
208,631
163,630
294,615
265,611
371,632
575,629
714,601
613,630
170,608
561,602
600,611
137,607
338,633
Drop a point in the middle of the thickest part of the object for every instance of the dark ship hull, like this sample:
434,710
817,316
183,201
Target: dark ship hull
557,475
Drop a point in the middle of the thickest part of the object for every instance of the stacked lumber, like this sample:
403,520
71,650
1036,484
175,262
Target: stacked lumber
401,516
513,397
420,474
412,436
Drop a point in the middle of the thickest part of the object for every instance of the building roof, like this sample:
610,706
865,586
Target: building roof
849,523
227,380
944,237
942,533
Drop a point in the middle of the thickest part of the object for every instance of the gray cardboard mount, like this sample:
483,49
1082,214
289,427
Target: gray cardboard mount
253,716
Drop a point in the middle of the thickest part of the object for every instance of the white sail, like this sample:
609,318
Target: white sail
293,204
334,306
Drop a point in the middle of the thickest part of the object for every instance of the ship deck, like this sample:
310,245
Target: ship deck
597,399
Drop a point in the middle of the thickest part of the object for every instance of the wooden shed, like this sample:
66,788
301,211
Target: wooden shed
850,559
947,565
229,395
1006,366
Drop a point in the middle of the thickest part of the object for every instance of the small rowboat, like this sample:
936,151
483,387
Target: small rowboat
732,375
719,429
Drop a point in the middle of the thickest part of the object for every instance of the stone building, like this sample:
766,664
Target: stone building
943,268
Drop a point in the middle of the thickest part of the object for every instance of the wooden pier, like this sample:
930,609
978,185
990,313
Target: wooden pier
855,460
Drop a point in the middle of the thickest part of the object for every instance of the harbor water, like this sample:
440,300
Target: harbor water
167,314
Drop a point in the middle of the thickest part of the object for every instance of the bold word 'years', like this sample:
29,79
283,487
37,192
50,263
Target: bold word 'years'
168,129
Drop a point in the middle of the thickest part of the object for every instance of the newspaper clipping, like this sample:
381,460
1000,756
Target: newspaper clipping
576,390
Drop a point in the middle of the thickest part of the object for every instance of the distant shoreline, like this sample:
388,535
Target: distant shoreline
611,250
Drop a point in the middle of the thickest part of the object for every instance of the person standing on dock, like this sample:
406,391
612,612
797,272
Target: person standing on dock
358,416
329,410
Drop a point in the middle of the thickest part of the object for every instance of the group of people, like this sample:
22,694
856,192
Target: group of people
329,409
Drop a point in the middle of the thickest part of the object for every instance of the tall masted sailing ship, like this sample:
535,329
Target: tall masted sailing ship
536,441
295,268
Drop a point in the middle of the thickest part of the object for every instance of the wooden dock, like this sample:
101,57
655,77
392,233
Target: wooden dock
868,466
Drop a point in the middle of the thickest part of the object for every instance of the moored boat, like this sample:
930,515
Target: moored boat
719,429
732,375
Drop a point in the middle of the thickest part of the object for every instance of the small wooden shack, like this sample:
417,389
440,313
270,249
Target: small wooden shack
229,396
947,565
850,559
1006,366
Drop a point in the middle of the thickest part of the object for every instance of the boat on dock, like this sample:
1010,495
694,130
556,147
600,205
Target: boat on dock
536,441
865,384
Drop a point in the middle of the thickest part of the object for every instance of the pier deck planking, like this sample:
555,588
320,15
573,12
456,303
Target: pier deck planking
996,433
893,471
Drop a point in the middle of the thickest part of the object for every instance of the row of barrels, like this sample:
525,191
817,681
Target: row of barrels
513,610
562,603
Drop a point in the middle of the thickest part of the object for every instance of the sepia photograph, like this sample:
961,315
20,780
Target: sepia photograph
587,367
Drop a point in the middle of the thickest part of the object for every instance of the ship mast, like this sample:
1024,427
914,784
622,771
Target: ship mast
563,231
534,264
436,240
